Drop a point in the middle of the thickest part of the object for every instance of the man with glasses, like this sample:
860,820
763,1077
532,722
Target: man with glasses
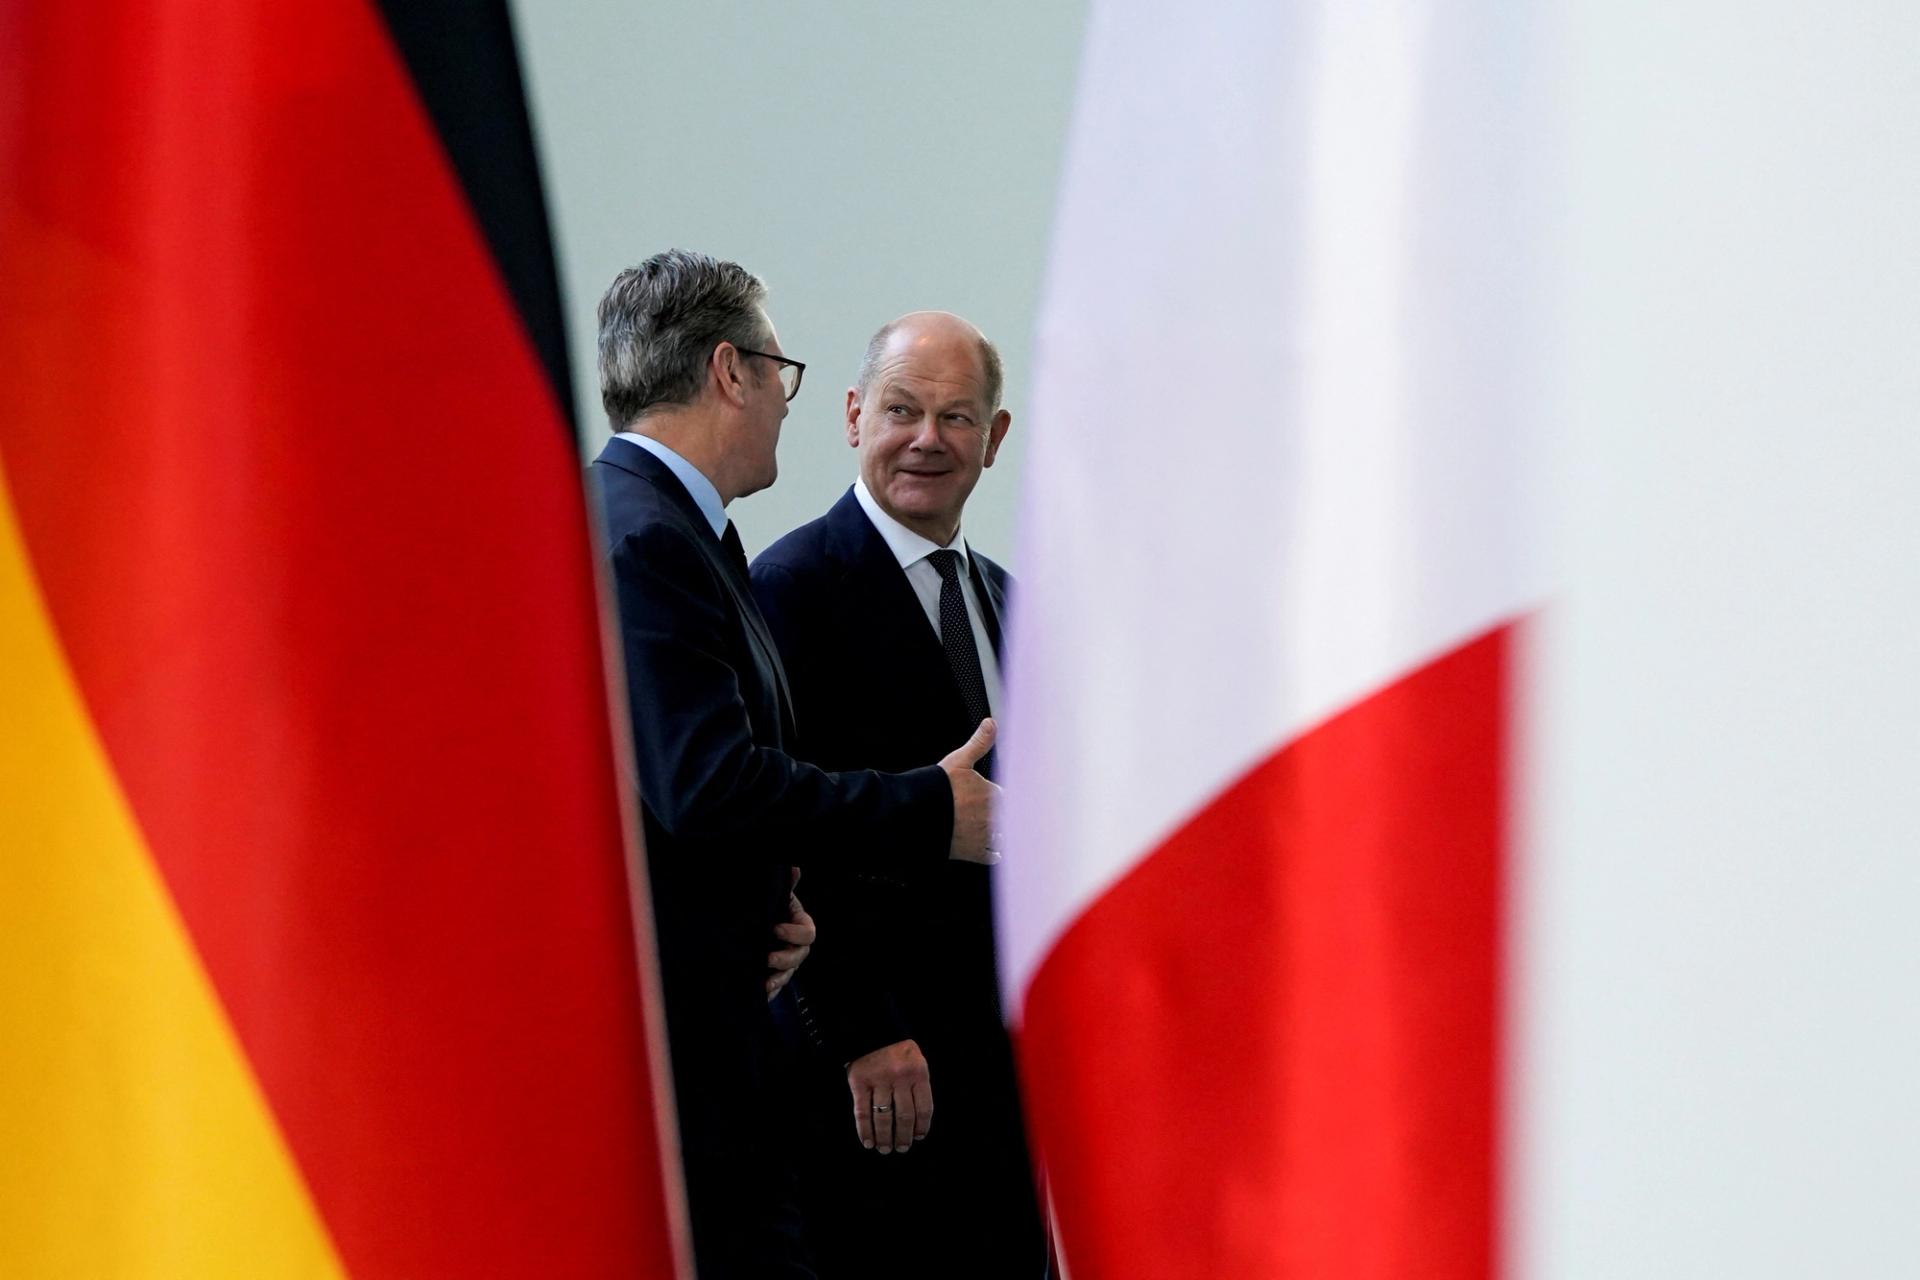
695,386
890,625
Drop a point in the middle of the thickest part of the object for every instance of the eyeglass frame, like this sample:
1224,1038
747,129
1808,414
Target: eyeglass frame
799,365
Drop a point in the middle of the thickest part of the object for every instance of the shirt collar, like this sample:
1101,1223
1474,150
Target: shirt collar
907,546
698,487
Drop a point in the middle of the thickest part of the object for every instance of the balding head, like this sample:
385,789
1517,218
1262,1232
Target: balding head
926,418
931,325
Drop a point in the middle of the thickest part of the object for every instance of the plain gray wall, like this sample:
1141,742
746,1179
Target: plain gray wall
863,158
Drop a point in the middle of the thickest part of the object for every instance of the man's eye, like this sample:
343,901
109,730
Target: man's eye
897,410
960,418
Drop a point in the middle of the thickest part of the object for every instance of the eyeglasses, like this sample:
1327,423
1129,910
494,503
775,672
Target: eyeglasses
791,371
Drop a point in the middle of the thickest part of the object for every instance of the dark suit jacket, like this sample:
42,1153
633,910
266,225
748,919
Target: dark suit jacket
726,810
898,960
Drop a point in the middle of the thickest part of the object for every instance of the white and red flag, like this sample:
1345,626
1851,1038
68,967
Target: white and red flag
1273,557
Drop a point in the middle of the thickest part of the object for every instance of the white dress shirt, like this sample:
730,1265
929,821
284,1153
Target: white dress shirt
912,550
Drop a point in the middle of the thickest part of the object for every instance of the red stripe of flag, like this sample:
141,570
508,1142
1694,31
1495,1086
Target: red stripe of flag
311,532
1271,1048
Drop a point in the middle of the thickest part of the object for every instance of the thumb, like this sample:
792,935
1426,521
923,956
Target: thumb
793,879
968,753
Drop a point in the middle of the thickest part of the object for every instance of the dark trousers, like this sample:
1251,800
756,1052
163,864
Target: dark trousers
738,1136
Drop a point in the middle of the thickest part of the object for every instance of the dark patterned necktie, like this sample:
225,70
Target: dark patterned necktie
956,636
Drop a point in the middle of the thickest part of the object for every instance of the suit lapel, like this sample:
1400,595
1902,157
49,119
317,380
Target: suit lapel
993,604
896,616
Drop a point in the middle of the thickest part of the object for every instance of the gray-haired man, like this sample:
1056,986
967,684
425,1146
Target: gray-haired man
695,385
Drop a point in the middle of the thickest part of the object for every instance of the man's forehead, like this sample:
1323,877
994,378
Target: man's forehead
929,356
905,376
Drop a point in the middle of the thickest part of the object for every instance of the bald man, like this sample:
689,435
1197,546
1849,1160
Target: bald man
890,628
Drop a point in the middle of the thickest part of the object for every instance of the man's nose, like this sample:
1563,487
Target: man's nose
927,437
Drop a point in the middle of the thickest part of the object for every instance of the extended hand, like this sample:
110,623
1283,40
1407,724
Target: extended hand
973,800
892,1096
798,933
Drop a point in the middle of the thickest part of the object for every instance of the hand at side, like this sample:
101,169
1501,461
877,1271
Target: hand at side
892,1097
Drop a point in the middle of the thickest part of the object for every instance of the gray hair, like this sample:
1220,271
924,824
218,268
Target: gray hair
660,321
992,374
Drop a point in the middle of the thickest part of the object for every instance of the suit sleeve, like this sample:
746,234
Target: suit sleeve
844,991
700,772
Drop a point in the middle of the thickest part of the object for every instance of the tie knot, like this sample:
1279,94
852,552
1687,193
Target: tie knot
946,564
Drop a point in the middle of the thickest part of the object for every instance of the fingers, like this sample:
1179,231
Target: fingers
892,1097
968,753
799,933
922,1108
862,1112
981,742
905,1122
781,964
973,803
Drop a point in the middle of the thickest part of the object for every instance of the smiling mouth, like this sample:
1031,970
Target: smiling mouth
926,475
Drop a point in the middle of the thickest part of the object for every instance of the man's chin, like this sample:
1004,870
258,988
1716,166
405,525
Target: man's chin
922,501
767,483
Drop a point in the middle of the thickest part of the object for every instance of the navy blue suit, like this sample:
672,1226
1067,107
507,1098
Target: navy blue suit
726,810
897,959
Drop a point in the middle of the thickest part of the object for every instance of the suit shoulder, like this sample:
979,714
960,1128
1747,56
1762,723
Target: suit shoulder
798,553
797,582
657,541
996,574
632,505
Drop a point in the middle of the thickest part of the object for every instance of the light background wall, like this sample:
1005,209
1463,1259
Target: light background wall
1720,978
1722,965
863,158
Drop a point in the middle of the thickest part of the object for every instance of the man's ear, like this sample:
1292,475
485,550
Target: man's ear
853,417
996,432
727,372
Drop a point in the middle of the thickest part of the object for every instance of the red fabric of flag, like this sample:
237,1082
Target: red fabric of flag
307,520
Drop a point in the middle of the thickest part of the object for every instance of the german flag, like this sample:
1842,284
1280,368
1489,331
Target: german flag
317,925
